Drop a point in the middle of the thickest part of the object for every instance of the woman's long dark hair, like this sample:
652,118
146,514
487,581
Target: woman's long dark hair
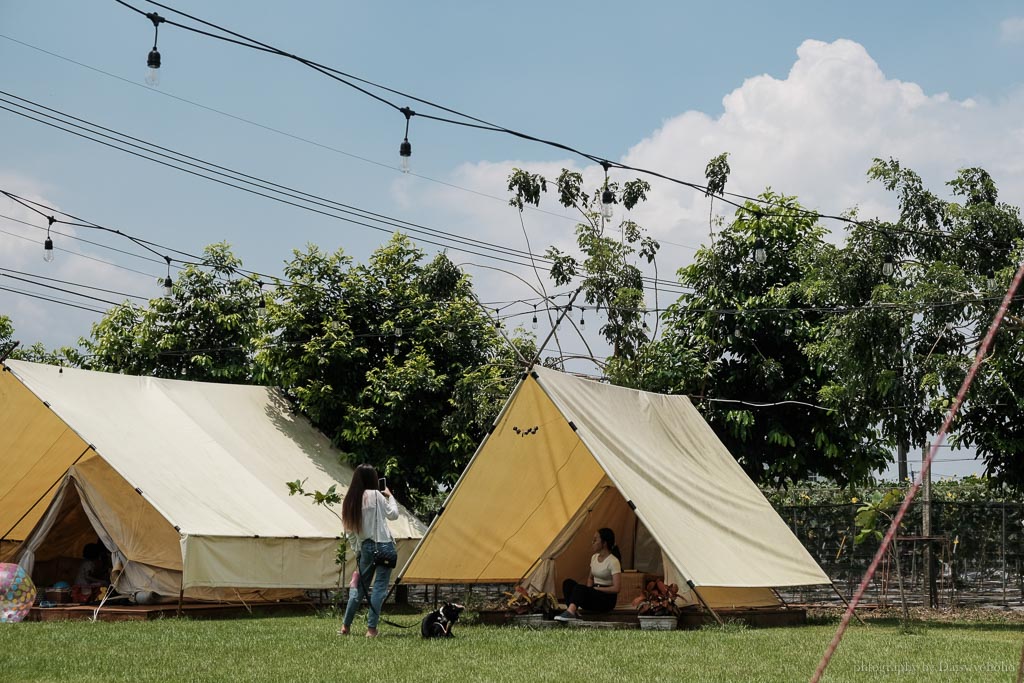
608,538
363,479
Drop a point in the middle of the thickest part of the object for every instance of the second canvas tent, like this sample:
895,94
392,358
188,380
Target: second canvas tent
568,456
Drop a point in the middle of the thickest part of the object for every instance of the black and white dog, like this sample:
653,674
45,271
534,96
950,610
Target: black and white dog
438,624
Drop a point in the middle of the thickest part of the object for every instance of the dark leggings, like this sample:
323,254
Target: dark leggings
586,597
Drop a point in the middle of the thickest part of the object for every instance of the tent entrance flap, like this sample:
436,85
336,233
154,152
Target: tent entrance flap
568,556
530,479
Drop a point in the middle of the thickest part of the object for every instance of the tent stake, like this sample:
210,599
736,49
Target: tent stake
846,603
181,597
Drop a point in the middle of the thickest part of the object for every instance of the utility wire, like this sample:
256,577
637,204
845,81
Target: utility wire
478,123
50,299
248,182
73,284
300,138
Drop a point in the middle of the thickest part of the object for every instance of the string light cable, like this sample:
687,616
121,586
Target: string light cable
478,123
299,138
80,239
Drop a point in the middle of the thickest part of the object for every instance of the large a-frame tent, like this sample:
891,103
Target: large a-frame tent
568,456
183,482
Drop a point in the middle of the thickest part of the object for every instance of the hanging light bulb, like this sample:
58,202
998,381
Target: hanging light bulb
398,331
405,149
607,197
888,267
451,335
534,323
153,60
48,244
760,253
261,306
582,321
168,285
990,280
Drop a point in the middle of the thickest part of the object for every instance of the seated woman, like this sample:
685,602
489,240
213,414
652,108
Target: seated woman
602,589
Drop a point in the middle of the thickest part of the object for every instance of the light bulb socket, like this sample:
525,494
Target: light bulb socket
48,250
405,149
153,61
168,286
760,253
607,197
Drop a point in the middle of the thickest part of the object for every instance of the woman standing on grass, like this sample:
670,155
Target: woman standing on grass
364,513
602,589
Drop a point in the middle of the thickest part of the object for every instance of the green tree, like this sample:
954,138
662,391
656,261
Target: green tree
948,265
608,279
743,333
394,360
921,292
36,353
204,331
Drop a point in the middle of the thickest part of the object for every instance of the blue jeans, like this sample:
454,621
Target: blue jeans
381,576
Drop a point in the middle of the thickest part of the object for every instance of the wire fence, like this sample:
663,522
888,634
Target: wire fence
972,555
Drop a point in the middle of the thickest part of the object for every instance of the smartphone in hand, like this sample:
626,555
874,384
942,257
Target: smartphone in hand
383,483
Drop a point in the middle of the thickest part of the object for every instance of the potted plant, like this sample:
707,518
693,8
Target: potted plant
658,607
531,607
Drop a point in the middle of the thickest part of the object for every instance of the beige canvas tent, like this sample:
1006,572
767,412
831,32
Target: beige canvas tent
184,482
568,456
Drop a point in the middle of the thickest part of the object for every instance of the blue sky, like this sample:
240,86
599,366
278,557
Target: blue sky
802,95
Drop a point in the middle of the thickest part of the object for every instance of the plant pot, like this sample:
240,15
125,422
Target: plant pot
668,622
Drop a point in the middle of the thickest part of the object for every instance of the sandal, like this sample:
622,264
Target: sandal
371,633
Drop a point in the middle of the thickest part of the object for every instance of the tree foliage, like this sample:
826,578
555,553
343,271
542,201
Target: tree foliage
607,278
902,351
394,360
742,333
202,332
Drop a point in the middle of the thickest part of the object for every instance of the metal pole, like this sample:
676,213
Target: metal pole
845,602
926,531
706,606
1003,547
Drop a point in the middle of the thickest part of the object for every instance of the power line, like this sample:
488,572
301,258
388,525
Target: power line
74,284
300,138
248,182
478,123
46,298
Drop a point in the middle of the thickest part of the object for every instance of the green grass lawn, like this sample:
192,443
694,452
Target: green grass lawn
306,648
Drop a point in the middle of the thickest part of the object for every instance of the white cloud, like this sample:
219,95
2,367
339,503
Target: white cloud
812,134
1011,30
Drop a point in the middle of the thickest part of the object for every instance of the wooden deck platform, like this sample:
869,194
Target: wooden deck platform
205,610
761,617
